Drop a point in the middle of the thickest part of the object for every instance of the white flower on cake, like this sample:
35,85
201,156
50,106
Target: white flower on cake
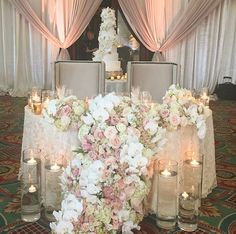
108,41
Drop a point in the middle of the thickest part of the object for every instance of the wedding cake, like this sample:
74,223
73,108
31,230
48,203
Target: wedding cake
108,41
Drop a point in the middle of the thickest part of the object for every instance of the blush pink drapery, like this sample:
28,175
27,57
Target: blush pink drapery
72,17
146,18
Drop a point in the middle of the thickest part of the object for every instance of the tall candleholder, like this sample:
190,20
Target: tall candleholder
167,194
53,192
190,192
30,186
35,99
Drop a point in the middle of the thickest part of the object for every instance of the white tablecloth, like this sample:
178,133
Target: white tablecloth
41,134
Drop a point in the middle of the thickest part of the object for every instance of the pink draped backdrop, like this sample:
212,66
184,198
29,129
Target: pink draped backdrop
71,19
147,20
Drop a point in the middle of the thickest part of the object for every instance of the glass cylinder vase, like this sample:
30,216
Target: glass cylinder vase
167,194
190,191
30,185
47,95
36,101
53,191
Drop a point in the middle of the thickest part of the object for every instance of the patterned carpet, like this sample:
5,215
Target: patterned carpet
218,211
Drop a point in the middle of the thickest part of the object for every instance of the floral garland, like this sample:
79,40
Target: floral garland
107,180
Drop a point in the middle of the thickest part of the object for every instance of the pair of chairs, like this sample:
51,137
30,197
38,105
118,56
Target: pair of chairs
87,78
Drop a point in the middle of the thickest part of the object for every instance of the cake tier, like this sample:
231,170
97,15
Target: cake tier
112,65
111,57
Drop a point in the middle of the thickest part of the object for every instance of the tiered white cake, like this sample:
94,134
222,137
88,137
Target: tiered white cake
108,41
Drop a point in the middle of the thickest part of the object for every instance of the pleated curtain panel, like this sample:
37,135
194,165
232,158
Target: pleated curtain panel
71,19
147,20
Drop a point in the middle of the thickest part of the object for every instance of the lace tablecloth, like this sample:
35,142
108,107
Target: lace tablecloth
41,134
178,143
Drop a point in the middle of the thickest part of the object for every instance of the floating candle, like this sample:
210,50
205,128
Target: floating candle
165,173
55,167
185,195
32,161
32,189
194,162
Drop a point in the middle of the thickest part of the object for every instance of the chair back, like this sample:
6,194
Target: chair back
155,77
85,78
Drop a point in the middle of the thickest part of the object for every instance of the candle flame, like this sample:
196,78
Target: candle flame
185,195
166,172
194,162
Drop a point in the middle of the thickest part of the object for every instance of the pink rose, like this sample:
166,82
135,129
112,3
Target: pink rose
115,142
164,113
77,193
114,120
121,184
110,132
167,99
110,160
174,119
86,145
134,132
108,193
93,154
122,196
129,191
98,134
64,111
76,172
85,227
115,223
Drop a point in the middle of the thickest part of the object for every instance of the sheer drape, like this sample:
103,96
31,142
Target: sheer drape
27,57
71,18
147,18
201,38
209,53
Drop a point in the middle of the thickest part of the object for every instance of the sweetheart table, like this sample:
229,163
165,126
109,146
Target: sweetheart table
38,133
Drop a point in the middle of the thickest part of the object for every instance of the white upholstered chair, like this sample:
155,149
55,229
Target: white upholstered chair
155,77
85,78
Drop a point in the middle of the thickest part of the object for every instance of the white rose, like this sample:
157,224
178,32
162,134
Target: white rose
65,121
100,114
78,109
88,119
83,131
121,127
92,189
110,132
151,126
